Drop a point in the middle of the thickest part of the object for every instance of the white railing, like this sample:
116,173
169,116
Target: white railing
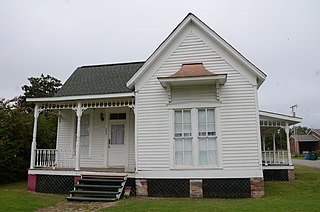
55,158
275,157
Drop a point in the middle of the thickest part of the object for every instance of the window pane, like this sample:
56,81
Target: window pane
178,117
85,123
203,144
203,158
188,158
179,145
211,144
187,122
188,144
117,134
212,158
178,151
179,158
211,123
202,122
178,123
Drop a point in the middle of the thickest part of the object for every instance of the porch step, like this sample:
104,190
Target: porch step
95,192
98,188
95,199
101,180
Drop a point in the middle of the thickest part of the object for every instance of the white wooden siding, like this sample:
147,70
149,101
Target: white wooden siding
238,130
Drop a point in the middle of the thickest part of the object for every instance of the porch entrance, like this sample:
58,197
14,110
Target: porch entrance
117,148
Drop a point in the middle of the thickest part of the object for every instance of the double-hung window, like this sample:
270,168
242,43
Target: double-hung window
195,138
84,135
207,137
183,137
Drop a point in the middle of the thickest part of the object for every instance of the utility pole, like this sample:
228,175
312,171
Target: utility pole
293,107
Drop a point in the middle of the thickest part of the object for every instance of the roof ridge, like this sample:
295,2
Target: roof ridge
111,64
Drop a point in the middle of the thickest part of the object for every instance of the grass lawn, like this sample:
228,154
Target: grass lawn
303,194
15,197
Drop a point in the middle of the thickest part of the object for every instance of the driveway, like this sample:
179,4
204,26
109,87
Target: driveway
309,163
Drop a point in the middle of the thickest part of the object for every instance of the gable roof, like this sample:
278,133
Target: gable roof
99,79
191,18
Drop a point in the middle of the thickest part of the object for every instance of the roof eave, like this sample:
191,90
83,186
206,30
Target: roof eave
82,97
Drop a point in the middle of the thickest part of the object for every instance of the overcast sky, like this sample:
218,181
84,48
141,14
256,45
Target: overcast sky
54,37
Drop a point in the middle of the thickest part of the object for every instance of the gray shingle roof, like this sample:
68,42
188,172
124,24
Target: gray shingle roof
306,138
99,79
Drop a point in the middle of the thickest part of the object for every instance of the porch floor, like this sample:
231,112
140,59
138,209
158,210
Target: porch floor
85,169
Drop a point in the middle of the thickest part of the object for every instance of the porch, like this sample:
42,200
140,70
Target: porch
275,150
95,135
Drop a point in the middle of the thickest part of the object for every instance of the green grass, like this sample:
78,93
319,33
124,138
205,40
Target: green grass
303,194
15,197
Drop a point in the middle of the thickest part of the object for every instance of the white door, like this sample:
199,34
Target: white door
117,144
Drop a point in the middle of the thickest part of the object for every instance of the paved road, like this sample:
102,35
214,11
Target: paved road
309,163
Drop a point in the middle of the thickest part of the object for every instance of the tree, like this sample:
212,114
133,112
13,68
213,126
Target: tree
16,126
43,86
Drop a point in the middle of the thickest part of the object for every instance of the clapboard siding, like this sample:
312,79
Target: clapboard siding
238,130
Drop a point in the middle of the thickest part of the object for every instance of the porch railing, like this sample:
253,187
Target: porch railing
275,157
55,158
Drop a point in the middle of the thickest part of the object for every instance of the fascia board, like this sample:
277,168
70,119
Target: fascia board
84,97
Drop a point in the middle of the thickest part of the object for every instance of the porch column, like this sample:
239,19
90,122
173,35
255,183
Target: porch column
34,137
288,144
79,114
264,143
274,145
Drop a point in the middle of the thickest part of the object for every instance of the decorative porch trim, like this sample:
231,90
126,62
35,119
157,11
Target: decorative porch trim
85,97
89,104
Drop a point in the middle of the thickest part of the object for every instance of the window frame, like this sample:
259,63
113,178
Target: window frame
195,138
75,134
183,137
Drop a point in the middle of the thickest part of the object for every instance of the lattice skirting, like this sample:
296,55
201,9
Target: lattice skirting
226,188
168,188
276,175
54,184
207,188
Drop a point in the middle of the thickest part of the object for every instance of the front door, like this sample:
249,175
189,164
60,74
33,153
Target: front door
117,144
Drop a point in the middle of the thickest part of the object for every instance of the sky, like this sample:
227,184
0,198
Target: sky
56,36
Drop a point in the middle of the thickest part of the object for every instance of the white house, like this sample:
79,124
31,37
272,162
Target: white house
185,122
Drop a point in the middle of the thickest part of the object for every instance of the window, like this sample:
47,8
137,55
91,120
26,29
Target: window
84,135
117,134
198,127
182,136
207,137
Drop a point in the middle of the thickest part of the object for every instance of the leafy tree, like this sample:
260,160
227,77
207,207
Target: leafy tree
300,130
43,86
16,127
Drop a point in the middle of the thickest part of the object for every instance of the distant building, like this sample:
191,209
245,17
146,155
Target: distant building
305,143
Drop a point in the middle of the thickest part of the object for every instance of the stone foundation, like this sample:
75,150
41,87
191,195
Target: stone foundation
257,187
291,175
141,187
196,188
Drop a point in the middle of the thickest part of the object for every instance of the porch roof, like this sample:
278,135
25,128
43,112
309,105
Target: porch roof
271,119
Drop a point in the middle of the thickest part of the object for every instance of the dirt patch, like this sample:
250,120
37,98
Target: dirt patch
77,206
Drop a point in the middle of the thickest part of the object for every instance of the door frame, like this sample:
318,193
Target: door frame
108,135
